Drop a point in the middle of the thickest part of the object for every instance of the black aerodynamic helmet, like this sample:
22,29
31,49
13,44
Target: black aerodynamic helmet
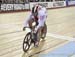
35,10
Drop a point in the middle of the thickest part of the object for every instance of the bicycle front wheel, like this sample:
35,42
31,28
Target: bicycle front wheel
27,42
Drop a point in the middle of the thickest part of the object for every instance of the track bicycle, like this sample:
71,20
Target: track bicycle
29,38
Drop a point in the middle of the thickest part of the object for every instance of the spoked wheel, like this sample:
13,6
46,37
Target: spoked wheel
27,42
44,32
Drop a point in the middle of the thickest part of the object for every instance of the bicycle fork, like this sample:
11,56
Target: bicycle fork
34,38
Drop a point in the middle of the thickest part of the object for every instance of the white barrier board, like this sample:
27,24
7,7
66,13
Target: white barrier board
50,4
6,6
47,4
14,6
59,4
30,5
71,2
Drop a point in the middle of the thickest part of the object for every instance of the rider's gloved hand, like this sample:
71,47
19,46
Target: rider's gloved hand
24,28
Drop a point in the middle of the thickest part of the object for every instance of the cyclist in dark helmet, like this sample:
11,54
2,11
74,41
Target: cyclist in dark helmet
37,14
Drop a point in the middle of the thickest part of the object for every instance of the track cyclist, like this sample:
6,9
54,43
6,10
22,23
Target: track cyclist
38,14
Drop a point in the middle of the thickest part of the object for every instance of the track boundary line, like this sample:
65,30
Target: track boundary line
61,37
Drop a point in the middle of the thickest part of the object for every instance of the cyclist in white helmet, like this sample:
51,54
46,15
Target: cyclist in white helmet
39,15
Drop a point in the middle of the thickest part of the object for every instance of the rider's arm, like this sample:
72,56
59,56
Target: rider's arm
26,20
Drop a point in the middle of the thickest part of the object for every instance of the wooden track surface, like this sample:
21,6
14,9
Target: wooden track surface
59,21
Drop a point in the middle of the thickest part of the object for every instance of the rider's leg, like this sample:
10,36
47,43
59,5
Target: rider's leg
38,29
40,32
44,31
38,36
35,34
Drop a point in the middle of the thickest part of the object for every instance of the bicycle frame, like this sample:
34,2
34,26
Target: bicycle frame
30,40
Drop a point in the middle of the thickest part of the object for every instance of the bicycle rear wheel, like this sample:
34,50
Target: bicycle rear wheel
44,31
27,42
